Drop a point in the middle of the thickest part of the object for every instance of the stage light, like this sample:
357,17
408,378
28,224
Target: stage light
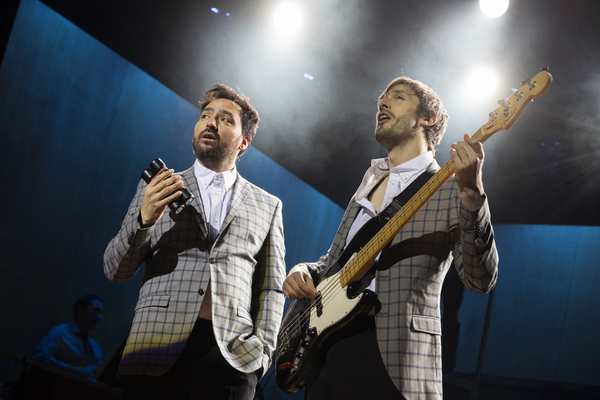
309,77
215,10
493,8
481,83
287,18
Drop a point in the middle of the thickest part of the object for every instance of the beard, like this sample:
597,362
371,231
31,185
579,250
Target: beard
214,155
395,132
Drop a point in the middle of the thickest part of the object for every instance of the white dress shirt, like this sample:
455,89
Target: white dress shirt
215,191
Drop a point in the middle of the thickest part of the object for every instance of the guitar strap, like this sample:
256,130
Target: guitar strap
399,201
370,229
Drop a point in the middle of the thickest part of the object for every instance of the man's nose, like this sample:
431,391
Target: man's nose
212,123
383,104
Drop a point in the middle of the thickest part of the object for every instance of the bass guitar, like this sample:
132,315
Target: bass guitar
304,337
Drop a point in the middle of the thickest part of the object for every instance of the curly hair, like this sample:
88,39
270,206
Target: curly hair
429,104
250,116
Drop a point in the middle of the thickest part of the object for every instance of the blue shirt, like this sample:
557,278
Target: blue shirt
64,348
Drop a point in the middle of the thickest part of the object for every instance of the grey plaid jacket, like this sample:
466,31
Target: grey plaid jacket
245,267
410,283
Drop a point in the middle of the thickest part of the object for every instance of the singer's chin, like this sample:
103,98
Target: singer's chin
206,153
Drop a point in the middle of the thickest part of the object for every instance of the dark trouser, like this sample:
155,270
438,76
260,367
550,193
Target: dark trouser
452,296
200,372
353,368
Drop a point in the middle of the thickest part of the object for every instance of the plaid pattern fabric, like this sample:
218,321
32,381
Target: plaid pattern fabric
245,267
410,284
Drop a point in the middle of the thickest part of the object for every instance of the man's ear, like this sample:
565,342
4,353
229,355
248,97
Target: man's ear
245,143
430,121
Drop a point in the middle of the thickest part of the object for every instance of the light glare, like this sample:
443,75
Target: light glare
481,83
493,8
287,18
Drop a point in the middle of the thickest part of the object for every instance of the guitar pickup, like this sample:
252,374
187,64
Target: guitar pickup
319,304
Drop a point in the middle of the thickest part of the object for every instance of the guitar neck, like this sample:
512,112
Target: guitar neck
360,264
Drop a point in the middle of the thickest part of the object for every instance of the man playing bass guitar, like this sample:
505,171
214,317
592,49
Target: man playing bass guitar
393,351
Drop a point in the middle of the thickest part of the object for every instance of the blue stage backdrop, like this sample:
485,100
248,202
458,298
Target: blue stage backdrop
78,124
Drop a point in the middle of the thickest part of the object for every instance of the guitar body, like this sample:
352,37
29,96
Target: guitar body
306,340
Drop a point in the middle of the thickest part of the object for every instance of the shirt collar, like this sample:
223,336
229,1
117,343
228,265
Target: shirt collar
411,166
380,168
206,176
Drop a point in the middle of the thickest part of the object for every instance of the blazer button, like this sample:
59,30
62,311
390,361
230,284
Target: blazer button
201,292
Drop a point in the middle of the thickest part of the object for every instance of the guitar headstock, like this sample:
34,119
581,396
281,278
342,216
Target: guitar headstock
509,110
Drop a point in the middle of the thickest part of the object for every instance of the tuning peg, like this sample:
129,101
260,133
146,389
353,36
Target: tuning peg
517,94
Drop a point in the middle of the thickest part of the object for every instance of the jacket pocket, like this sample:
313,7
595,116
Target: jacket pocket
243,313
426,324
154,301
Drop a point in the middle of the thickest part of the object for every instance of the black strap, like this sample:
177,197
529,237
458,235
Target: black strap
374,225
399,201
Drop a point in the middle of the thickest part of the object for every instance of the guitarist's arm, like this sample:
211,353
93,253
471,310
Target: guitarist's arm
476,257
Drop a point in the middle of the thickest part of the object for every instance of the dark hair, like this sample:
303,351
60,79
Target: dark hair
85,302
429,104
250,116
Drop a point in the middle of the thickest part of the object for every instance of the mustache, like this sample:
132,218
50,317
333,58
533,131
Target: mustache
212,131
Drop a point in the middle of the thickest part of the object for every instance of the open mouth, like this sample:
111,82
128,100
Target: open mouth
382,117
209,137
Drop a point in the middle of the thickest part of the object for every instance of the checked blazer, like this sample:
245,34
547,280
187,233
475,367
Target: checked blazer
245,267
409,280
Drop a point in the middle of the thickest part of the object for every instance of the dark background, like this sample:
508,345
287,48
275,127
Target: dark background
543,171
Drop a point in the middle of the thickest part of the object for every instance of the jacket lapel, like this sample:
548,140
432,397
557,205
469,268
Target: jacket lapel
190,182
238,198
339,241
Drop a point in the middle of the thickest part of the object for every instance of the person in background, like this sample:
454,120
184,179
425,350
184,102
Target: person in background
69,346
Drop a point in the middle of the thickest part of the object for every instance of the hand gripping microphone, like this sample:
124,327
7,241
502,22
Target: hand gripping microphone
176,205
